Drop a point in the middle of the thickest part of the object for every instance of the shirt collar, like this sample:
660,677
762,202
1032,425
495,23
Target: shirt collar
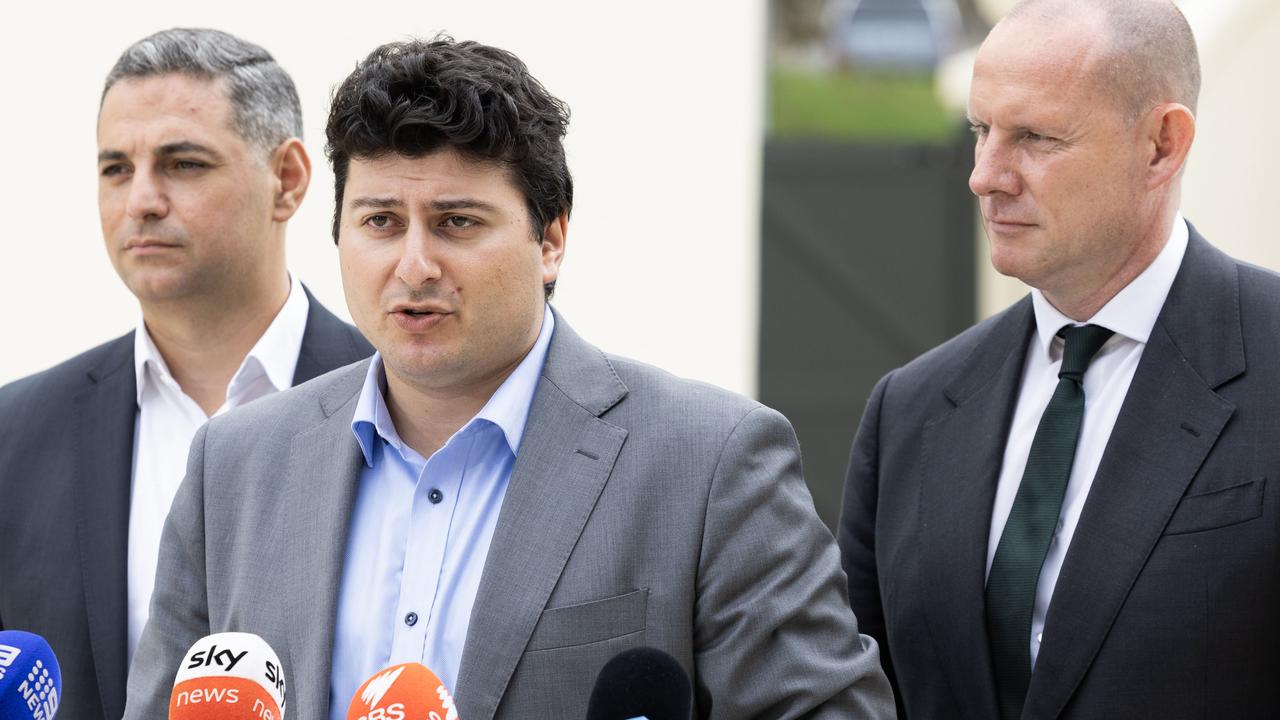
1133,311
507,408
275,354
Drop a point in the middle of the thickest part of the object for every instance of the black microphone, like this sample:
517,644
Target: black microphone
643,682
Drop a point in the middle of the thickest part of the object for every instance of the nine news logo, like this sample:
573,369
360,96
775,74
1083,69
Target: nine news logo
8,654
39,693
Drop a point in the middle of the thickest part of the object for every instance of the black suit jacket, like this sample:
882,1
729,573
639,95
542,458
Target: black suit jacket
1168,602
66,464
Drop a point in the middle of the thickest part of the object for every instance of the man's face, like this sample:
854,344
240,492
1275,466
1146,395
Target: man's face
186,204
441,269
1058,172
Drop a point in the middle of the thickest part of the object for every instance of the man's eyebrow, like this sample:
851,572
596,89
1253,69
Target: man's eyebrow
463,204
375,203
386,203
175,148
186,146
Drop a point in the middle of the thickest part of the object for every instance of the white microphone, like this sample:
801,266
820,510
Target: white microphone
229,676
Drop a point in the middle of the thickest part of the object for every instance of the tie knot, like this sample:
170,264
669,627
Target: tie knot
1082,342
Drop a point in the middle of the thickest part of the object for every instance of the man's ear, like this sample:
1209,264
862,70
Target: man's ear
1168,130
553,240
292,170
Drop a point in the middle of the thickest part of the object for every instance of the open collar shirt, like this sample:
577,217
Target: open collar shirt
168,419
420,531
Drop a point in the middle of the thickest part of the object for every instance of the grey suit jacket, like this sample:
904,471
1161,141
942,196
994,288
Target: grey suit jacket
1166,605
66,462
642,510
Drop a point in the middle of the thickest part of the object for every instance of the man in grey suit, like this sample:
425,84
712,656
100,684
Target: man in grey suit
491,495
200,169
1061,513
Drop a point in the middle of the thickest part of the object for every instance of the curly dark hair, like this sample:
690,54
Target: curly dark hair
416,97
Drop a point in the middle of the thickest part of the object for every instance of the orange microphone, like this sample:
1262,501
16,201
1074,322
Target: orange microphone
229,676
403,692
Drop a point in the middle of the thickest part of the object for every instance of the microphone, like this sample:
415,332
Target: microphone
408,690
229,676
30,681
641,682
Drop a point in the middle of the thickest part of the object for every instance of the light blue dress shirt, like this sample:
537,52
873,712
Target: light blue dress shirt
420,532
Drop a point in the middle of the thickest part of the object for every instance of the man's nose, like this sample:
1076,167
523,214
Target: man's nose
994,169
147,198
418,264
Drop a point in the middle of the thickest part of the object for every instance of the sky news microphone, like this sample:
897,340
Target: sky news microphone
641,682
403,692
229,676
30,681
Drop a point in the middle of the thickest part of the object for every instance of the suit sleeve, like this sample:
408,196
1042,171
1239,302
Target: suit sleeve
179,604
774,636
856,532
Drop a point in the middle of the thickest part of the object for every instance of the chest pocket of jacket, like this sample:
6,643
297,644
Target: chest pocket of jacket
1217,508
590,622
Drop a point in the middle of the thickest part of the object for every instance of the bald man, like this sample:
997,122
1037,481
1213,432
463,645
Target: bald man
1064,511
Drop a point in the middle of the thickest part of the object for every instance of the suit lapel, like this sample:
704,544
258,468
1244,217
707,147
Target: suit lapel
1169,422
320,482
105,414
327,343
566,455
964,450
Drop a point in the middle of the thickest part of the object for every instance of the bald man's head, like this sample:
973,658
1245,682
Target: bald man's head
1149,55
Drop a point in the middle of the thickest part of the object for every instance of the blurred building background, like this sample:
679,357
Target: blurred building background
771,194
872,251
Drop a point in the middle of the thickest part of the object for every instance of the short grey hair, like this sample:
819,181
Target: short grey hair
264,101
1152,56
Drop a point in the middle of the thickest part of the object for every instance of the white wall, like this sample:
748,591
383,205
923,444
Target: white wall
1232,182
664,144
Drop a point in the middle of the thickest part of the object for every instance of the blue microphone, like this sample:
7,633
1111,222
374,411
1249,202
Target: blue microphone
30,681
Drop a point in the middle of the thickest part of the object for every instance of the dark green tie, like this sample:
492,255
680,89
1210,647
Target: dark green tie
1015,570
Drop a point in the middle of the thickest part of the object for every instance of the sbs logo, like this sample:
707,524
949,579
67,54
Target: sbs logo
379,686
446,702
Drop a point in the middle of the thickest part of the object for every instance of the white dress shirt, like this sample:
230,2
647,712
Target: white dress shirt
168,419
1131,314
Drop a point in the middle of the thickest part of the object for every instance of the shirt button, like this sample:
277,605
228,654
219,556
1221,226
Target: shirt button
1040,637
411,619
435,496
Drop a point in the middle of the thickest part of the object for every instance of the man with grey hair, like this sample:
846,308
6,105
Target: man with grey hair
200,167
1061,513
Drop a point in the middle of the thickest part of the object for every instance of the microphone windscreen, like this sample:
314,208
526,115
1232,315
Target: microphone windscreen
30,681
641,682
403,692
228,676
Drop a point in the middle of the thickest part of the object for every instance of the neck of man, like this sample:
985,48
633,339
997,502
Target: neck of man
425,418
204,340
1081,298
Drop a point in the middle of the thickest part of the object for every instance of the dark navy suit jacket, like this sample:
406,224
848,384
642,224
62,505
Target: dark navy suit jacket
66,464
1168,603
